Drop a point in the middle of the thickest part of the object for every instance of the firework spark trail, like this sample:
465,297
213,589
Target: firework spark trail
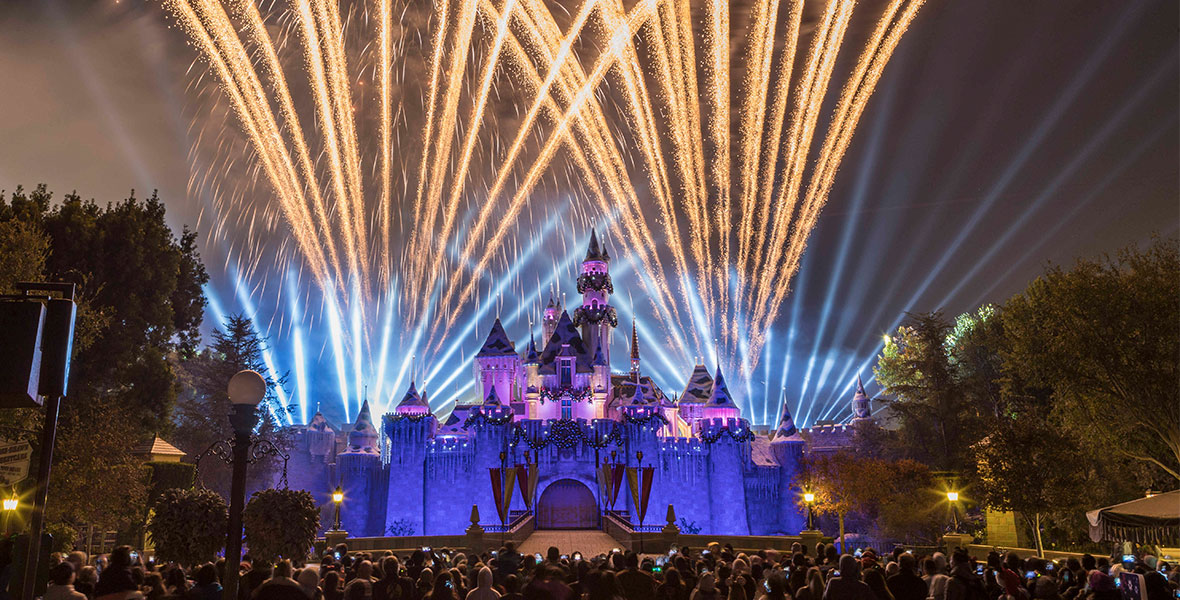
418,262
621,37
314,63
717,80
433,249
272,67
599,139
667,70
258,129
385,23
756,86
778,116
474,236
475,122
822,183
564,53
340,94
803,121
328,14
636,227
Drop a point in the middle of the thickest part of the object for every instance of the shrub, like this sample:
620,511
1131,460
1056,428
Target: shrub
280,524
188,526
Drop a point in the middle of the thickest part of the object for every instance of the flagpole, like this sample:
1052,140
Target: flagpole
639,460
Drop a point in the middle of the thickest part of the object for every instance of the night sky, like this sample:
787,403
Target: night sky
1005,135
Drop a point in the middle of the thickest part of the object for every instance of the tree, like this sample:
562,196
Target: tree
188,526
1021,467
139,301
938,417
1103,337
201,416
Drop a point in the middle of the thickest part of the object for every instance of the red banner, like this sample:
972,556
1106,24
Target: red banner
645,494
617,471
526,477
497,489
509,479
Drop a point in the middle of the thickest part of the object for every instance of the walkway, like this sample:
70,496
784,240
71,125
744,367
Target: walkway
589,542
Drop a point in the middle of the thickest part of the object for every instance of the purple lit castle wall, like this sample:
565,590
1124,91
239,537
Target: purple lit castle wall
557,403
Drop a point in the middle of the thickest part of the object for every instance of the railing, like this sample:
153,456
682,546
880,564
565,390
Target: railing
517,519
624,520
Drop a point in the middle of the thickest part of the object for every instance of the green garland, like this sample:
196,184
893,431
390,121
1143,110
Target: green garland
743,434
575,394
595,281
479,418
594,316
655,416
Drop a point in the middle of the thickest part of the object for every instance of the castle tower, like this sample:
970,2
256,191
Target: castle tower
601,382
720,404
634,349
498,364
549,321
861,404
787,448
359,469
407,432
532,381
596,316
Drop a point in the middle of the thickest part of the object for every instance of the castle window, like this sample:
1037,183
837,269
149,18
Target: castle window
567,408
565,374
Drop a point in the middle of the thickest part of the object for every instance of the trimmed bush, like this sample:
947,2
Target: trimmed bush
188,526
280,524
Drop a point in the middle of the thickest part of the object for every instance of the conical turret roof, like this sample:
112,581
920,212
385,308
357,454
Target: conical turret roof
599,359
786,424
634,341
594,251
720,397
861,403
412,399
497,343
700,386
493,398
532,358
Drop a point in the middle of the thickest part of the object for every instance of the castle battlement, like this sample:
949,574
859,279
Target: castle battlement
450,444
674,446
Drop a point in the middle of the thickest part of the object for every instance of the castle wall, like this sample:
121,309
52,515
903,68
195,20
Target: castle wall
405,497
727,489
452,484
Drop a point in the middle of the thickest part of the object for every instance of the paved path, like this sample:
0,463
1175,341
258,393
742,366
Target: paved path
587,541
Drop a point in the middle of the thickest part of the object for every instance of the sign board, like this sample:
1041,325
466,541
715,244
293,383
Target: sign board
14,461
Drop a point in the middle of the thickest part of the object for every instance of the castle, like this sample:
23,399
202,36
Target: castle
558,405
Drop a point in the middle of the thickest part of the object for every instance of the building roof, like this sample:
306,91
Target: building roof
594,251
412,398
699,387
565,334
623,391
719,397
599,359
158,447
493,398
497,343
786,424
531,357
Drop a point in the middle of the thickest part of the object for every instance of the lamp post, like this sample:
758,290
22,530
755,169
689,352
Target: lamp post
809,498
337,499
246,390
953,498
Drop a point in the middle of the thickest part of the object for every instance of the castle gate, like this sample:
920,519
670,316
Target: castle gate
567,504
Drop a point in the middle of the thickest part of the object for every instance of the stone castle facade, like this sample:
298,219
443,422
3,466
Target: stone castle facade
557,404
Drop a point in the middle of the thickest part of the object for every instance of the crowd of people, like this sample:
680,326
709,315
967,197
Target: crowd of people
712,573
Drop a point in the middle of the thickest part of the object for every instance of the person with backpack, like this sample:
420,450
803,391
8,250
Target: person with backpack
964,584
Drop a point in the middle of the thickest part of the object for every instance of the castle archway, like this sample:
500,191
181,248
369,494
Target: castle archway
567,504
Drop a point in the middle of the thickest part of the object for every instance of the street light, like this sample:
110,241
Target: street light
953,498
246,389
337,499
809,498
10,506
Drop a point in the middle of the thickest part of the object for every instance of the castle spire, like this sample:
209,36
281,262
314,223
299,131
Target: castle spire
634,347
861,403
594,251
